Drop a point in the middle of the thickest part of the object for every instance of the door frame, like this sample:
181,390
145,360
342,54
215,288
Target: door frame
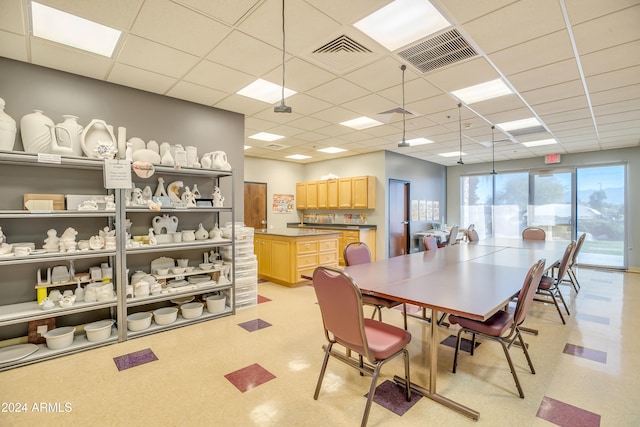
407,193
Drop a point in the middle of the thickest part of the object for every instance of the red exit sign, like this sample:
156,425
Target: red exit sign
552,158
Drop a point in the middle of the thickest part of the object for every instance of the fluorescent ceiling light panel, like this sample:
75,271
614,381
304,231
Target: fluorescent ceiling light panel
418,141
540,142
266,136
71,30
452,154
402,22
332,150
298,157
265,91
246,147
519,124
482,91
361,123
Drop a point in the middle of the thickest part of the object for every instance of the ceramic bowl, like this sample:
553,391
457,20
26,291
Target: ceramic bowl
60,337
99,331
215,303
146,155
192,310
165,315
177,270
205,266
189,269
162,271
139,321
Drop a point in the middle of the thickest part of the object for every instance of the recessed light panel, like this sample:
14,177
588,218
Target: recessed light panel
246,147
266,136
265,91
519,124
482,91
452,154
332,150
361,123
298,157
540,142
402,22
71,30
418,141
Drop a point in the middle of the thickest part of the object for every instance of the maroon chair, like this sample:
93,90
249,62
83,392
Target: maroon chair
430,243
549,284
534,233
504,326
358,253
571,273
472,235
453,235
343,320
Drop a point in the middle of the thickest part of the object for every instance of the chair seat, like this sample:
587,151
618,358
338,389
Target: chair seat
494,326
546,282
382,302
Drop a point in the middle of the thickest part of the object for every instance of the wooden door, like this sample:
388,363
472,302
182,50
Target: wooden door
255,205
398,218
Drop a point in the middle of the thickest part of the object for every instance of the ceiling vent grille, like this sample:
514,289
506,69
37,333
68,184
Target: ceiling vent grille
342,54
274,146
342,44
397,110
528,131
439,51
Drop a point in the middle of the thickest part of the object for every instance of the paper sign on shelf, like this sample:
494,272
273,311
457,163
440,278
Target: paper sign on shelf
117,173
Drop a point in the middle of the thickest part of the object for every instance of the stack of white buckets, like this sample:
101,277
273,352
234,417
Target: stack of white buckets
245,265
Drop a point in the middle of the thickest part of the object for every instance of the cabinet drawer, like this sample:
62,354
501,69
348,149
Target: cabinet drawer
307,272
305,247
328,258
307,261
352,234
328,245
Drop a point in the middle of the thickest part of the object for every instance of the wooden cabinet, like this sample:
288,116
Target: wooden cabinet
323,199
344,193
367,236
363,192
307,195
332,194
301,195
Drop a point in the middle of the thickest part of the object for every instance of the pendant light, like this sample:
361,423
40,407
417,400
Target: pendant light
404,142
282,108
493,153
460,162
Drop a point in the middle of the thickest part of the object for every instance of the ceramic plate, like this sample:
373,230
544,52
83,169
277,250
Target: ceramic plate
39,252
198,279
16,352
177,283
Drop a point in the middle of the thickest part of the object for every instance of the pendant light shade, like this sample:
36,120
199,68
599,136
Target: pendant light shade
460,162
404,142
282,108
493,152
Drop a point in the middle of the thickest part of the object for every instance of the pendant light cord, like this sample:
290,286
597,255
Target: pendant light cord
493,152
460,162
404,125
283,51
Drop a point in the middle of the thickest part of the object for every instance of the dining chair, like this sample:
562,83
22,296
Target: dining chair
573,264
473,236
340,302
534,233
358,253
549,284
504,326
430,243
453,235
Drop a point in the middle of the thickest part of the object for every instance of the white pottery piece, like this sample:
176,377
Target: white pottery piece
161,263
60,145
122,142
165,224
201,233
153,146
219,161
160,191
164,147
173,190
167,159
188,235
7,130
97,133
180,157
137,144
71,135
145,155
192,155
205,161
36,136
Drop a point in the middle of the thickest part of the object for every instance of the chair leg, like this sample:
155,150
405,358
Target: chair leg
404,315
574,279
322,370
372,390
455,355
473,344
406,373
558,293
555,301
526,352
513,370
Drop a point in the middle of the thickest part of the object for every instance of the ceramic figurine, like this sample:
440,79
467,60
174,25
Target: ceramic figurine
8,130
160,191
152,237
52,242
36,136
72,131
218,199
201,233
47,304
2,238
146,193
195,191
188,197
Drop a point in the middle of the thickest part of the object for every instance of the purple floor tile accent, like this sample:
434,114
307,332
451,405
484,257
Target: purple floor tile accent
465,344
250,377
586,353
393,397
262,299
137,358
593,318
565,415
254,325
597,297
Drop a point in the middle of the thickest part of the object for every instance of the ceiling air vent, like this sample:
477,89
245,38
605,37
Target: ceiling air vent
275,147
342,54
527,131
342,44
439,51
397,110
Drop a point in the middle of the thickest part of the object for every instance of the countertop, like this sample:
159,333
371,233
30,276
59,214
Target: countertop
336,226
294,232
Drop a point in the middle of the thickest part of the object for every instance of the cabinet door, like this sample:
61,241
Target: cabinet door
322,195
280,260
301,195
332,194
344,193
312,195
262,249
363,196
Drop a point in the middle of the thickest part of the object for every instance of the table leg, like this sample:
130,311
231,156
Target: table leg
431,392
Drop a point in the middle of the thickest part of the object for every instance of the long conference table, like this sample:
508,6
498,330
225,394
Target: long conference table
473,280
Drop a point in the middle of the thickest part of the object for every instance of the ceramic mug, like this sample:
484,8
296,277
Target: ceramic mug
22,250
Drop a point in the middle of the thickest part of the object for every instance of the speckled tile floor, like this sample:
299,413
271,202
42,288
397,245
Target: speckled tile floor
259,368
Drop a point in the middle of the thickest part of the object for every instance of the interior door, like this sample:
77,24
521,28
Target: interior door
255,205
398,218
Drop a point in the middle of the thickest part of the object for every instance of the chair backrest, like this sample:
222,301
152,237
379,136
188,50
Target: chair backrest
472,235
574,258
453,235
527,292
430,243
340,304
534,233
356,253
471,227
566,260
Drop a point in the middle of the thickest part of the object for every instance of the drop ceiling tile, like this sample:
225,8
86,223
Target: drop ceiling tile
12,17
554,92
147,55
435,104
378,76
565,116
370,105
337,91
305,104
244,53
584,10
176,26
613,79
140,79
548,75
59,57
301,76
219,77
280,118
13,46
563,105
462,75
569,125
614,58
196,93
629,116
516,23
468,11
414,90
113,13
229,12
619,94
607,31
498,105
508,116
350,11
616,107
241,104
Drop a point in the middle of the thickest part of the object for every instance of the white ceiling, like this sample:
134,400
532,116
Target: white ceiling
586,93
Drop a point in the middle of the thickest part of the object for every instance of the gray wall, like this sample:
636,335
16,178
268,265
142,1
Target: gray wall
26,87
629,156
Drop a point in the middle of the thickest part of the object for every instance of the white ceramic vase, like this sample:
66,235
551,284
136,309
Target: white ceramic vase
7,129
35,129
70,138
97,134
